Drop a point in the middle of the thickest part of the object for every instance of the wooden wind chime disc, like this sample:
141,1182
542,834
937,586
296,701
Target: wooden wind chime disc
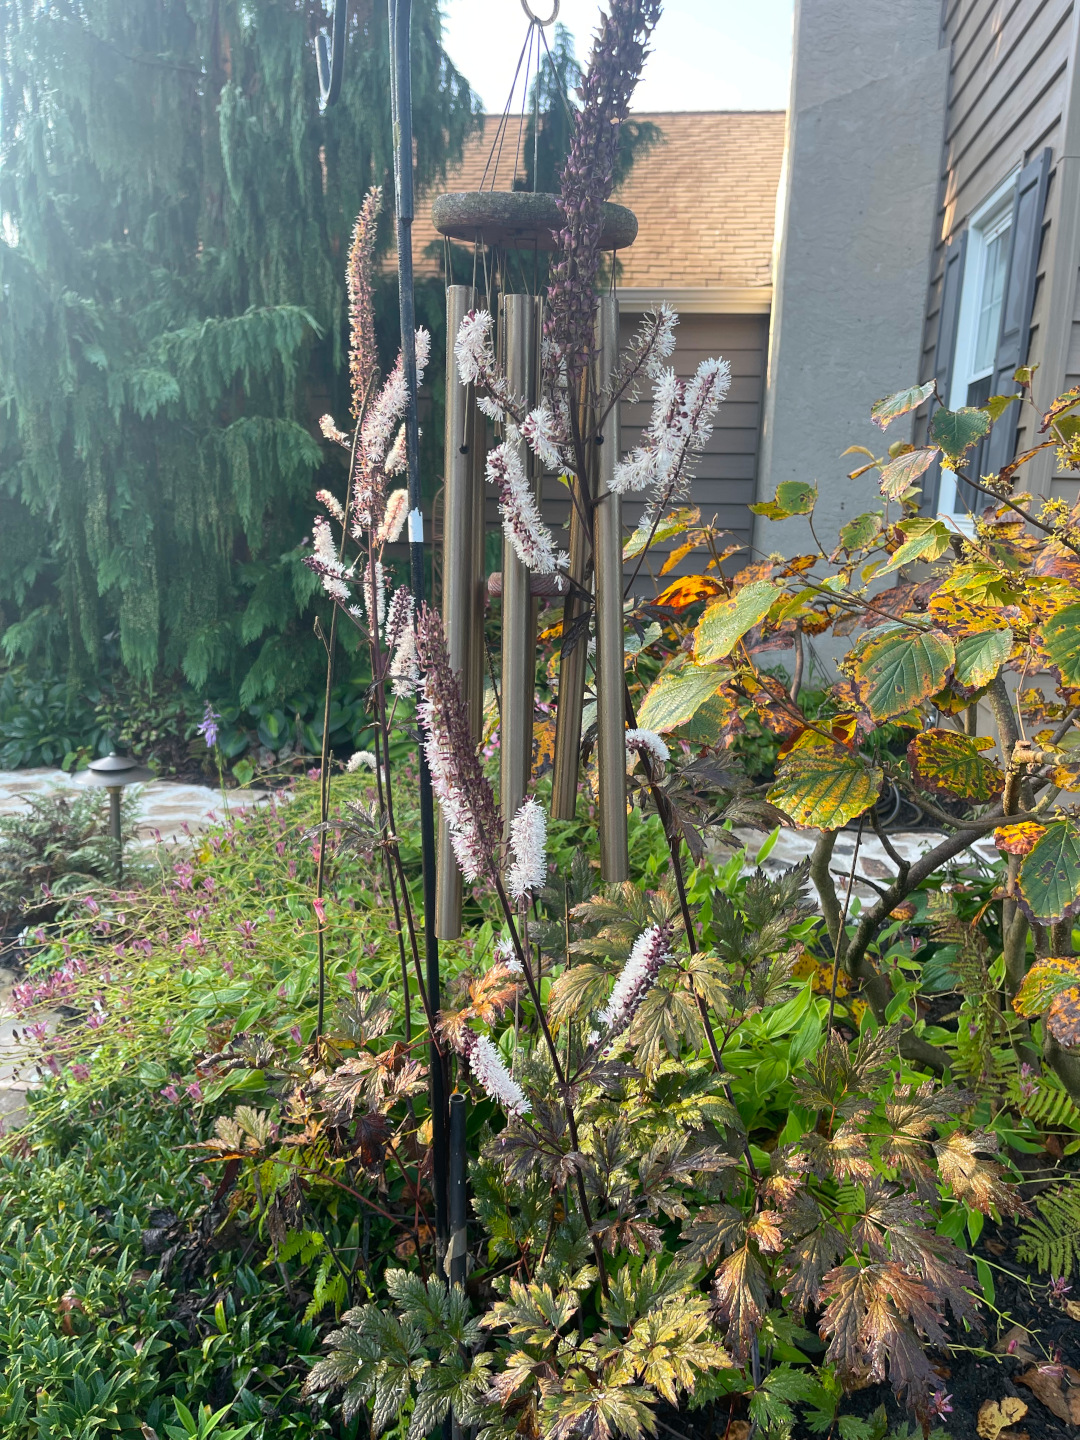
520,220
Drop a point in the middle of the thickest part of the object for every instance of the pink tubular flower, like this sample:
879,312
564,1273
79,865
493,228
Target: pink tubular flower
320,909
460,785
194,1090
652,949
171,1094
295,1032
80,1071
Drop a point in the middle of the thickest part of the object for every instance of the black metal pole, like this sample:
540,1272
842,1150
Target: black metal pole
400,12
458,1172
115,830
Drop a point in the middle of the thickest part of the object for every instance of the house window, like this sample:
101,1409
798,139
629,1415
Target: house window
982,295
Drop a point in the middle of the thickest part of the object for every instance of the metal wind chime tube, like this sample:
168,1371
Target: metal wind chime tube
610,683
572,668
518,313
459,598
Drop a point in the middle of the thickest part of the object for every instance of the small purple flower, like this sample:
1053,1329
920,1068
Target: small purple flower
295,1032
171,1094
194,1090
80,1072
941,1404
209,726
96,1020
353,981
1059,1288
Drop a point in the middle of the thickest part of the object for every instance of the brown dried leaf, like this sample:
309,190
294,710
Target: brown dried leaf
1049,1383
978,1181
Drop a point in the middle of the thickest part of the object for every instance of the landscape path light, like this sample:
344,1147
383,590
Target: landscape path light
113,772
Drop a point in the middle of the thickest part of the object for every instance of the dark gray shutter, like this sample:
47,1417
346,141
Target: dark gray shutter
1025,237
952,280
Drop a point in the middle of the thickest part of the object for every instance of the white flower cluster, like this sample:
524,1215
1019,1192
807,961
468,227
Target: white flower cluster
541,434
391,402
682,421
325,561
506,955
360,760
393,521
488,1067
660,339
473,349
645,742
528,841
374,593
395,459
651,950
532,540
470,850
332,504
331,432
401,640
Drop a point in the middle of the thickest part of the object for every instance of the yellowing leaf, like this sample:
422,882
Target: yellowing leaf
859,533
1049,881
945,762
1042,984
688,590
899,474
675,697
1061,640
671,525
997,1415
725,623
1018,839
819,784
793,497
928,540
980,657
902,668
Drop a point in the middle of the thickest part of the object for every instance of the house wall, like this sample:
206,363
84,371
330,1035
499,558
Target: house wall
865,123
1011,94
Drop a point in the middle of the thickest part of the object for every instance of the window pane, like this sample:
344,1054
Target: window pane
993,289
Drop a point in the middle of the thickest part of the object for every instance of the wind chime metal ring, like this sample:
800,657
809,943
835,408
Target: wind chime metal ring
536,18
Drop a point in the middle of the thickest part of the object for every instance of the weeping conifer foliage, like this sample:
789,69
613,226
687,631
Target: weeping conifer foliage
174,216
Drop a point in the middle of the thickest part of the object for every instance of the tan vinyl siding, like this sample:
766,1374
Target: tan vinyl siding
1009,79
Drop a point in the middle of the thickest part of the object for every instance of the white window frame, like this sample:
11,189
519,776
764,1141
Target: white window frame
987,222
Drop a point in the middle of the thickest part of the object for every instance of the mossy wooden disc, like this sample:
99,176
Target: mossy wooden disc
520,219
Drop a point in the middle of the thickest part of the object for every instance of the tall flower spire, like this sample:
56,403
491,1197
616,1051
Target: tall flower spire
363,356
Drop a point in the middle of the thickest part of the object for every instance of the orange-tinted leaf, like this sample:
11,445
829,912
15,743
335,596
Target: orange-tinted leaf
945,762
681,552
689,590
1046,979
543,748
1063,1017
1018,839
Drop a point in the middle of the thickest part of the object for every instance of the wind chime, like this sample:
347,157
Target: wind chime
507,230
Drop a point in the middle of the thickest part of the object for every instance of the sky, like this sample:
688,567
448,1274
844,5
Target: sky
706,54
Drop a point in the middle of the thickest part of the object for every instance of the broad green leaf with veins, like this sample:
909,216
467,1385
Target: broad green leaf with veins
927,540
980,657
858,533
956,431
675,697
1061,638
903,668
724,624
819,784
947,763
793,497
883,412
1049,879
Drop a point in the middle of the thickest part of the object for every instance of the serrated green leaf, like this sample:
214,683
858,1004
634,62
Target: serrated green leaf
675,697
1049,879
884,412
1061,638
671,525
903,668
957,430
929,541
980,657
858,533
823,785
996,406
901,473
725,623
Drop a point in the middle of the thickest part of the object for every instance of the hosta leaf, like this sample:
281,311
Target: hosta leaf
957,430
1019,839
1044,982
980,657
947,763
1049,879
905,470
793,497
858,533
688,590
903,668
725,623
675,697
821,785
883,412
1061,640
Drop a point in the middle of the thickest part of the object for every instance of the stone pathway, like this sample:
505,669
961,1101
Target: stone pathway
165,806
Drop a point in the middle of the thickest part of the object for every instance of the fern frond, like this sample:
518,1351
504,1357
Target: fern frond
1052,1241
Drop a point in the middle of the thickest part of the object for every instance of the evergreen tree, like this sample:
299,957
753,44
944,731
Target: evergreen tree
174,217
